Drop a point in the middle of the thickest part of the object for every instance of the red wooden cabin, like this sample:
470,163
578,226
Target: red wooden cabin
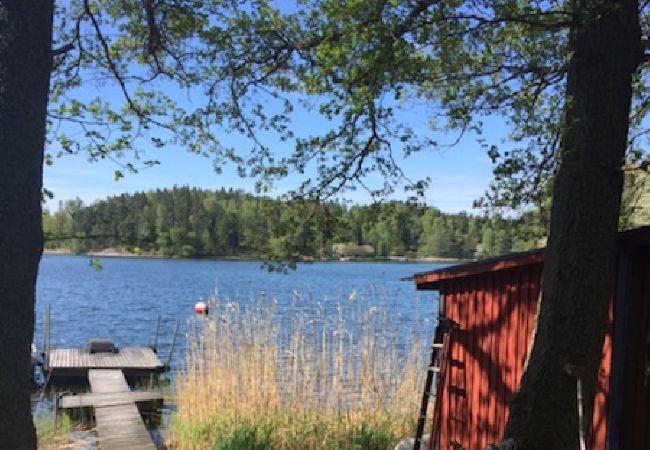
492,304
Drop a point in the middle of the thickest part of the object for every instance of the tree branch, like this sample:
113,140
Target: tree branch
75,38
154,37
115,72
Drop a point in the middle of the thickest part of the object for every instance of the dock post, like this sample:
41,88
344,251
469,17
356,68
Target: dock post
171,349
46,335
155,339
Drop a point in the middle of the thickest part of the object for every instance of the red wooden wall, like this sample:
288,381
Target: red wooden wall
495,316
494,303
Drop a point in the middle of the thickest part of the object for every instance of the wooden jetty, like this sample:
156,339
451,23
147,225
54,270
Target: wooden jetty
62,364
104,370
117,419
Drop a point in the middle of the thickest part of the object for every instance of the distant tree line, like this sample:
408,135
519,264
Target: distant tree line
189,222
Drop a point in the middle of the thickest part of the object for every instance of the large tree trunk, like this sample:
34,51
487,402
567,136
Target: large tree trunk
605,50
25,65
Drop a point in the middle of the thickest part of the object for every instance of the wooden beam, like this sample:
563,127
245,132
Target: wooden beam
107,399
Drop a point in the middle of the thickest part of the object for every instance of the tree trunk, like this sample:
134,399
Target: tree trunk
25,65
604,53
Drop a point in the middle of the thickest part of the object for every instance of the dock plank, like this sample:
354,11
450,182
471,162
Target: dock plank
102,380
107,399
118,426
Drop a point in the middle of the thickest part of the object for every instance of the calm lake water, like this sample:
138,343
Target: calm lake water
122,301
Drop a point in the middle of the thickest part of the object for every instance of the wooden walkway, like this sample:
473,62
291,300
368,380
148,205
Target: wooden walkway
118,422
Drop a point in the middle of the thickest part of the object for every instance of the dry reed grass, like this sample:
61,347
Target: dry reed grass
257,379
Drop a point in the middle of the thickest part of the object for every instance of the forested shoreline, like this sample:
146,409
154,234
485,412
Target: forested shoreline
193,223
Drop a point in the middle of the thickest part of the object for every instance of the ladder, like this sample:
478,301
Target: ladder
438,367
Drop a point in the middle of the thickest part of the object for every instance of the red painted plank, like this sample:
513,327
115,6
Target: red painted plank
522,322
472,366
477,427
513,317
502,376
494,369
512,330
487,363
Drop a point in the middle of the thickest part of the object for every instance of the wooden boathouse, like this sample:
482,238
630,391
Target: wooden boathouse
492,306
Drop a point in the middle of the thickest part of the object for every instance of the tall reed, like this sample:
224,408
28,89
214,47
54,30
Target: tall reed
301,377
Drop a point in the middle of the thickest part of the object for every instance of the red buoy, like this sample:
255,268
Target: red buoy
201,308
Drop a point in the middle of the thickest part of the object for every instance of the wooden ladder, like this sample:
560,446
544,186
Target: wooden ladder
437,367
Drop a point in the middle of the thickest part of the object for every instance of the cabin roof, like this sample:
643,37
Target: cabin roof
639,237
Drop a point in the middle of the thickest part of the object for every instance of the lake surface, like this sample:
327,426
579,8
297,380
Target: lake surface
122,301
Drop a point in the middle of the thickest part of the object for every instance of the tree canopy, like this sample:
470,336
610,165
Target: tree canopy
567,76
248,67
184,222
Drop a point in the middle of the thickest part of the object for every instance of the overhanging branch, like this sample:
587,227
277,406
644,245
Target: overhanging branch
75,37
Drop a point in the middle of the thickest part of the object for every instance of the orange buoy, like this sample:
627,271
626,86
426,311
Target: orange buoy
201,308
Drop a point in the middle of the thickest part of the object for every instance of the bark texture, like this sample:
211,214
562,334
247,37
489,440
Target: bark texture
605,51
25,65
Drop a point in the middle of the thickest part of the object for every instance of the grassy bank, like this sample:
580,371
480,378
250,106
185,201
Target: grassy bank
259,380
53,432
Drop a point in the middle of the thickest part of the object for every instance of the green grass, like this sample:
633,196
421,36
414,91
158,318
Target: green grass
51,432
246,439
287,433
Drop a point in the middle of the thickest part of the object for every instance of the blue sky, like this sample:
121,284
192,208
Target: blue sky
459,176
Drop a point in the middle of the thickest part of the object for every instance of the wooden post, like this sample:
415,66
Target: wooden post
155,339
46,336
171,349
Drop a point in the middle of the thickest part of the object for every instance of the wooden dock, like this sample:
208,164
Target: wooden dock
139,358
105,369
117,419
125,358
63,364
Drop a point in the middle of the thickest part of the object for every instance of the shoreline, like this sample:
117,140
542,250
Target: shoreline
115,253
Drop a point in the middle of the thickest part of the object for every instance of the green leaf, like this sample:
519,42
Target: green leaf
95,264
